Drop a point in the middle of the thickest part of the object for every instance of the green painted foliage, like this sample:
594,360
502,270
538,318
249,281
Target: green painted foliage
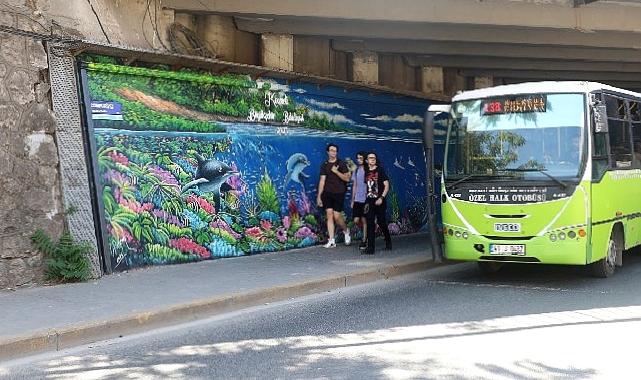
267,195
311,220
163,254
394,206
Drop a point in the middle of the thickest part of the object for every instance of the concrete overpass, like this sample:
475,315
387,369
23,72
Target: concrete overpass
436,46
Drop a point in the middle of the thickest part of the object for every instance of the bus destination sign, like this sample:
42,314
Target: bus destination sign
513,104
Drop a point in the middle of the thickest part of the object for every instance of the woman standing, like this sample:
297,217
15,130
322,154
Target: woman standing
359,196
377,187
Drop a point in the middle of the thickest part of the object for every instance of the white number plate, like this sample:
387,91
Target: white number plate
507,227
507,249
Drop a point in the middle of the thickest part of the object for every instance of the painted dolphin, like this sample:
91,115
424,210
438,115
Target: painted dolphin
398,164
295,164
211,177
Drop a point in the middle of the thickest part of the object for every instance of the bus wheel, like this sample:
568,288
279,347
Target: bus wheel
605,267
489,267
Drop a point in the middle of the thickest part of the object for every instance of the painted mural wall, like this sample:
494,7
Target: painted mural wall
193,166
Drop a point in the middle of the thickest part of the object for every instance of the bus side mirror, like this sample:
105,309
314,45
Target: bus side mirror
428,129
600,119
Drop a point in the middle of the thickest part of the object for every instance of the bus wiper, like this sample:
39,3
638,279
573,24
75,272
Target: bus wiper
469,176
542,171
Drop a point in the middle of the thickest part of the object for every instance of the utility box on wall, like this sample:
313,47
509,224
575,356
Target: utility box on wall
192,166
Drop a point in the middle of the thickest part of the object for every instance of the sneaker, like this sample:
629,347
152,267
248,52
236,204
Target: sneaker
362,246
330,244
348,239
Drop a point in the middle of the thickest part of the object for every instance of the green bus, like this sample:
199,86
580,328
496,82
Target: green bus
542,172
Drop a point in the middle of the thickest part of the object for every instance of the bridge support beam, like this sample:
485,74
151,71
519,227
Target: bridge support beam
483,82
365,67
277,51
432,79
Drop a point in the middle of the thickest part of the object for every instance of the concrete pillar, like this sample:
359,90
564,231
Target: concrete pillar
340,65
312,55
277,51
432,80
394,72
365,67
186,19
483,82
219,33
452,81
166,18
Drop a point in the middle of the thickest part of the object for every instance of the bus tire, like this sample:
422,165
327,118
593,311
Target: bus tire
489,267
605,267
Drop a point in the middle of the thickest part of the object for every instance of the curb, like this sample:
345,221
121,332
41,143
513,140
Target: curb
85,333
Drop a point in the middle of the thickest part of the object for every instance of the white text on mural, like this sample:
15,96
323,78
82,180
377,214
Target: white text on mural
261,115
275,99
292,117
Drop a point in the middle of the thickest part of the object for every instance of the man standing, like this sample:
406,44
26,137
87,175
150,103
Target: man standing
331,193
378,186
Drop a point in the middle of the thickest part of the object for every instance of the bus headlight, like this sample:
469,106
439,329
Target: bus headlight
457,234
465,235
561,235
553,237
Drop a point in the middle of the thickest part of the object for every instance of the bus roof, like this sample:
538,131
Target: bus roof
540,87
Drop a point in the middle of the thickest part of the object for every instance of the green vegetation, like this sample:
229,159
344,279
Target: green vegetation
66,260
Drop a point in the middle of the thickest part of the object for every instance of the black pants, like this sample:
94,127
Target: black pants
376,214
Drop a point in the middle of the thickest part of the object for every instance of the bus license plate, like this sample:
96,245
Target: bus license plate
507,249
507,227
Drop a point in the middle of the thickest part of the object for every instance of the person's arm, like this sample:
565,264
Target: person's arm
380,199
385,188
321,187
341,171
354,187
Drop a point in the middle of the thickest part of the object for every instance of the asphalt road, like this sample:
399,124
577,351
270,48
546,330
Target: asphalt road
529,322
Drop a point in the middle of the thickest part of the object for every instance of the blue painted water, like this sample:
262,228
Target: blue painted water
257,149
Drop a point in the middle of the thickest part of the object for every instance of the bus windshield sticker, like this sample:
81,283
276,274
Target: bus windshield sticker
509,194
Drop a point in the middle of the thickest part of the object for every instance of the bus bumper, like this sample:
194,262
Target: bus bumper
539,249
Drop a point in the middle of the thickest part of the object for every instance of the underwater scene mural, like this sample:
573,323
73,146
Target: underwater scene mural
193,166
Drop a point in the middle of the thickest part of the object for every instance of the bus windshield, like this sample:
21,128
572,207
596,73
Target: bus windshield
530,137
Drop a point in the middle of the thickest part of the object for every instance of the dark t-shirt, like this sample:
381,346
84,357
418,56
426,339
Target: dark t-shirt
333,184
374,180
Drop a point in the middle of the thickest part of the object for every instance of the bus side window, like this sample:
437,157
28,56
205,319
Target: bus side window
635,117
619,132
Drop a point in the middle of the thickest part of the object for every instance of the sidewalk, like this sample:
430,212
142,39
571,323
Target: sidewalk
56,317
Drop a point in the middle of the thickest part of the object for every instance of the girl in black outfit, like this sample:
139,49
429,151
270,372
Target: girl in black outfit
377,184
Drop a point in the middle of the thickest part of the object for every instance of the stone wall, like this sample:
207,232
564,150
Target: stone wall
29,179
